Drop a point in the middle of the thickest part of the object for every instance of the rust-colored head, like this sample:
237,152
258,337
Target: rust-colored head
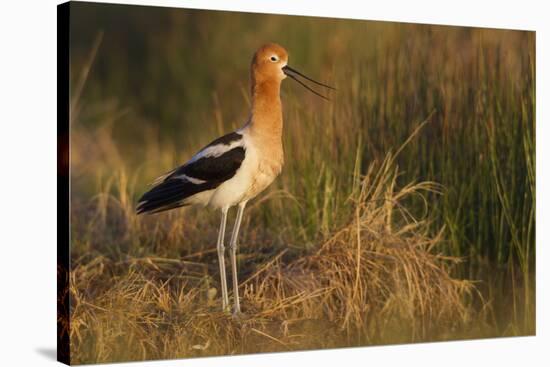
270,66
268,63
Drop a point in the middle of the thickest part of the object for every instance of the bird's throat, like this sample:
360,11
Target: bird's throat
266,115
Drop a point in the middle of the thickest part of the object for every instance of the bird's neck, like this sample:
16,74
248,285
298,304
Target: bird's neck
266,118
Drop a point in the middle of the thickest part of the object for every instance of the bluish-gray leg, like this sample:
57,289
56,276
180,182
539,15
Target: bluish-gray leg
221,259
233,255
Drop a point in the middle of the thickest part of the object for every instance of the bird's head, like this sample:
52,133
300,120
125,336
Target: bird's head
270,65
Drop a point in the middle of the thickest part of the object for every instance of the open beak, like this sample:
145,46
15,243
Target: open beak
293,74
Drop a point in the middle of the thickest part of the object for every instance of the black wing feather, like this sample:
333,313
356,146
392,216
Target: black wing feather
171,192
220,168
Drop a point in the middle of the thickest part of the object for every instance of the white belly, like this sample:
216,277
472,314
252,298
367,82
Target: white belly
254,176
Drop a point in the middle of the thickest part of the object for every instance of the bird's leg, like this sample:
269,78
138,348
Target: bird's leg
233,255
221,259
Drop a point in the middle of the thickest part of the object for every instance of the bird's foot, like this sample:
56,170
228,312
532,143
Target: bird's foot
237,314
226,308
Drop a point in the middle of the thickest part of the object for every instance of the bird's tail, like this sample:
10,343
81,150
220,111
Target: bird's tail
166,195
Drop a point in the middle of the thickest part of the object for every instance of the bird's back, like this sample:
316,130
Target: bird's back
195,181
231,169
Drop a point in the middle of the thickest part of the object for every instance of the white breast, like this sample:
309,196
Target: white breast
256,173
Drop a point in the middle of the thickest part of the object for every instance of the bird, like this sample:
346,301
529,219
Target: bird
238,166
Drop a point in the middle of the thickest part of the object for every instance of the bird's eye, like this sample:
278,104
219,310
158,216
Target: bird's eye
274,58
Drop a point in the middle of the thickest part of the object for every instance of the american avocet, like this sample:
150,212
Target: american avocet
238,166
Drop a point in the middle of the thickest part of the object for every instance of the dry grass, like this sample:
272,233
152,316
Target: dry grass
376,279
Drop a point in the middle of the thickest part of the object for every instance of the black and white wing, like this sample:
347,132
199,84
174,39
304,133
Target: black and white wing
206,170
